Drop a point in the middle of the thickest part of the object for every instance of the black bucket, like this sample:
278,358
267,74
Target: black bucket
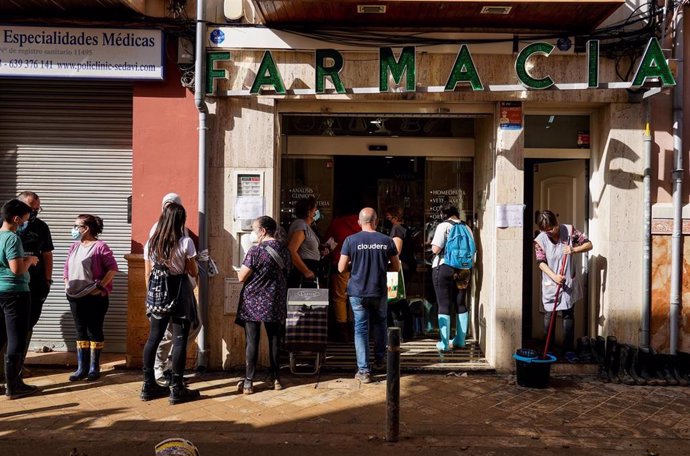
531,371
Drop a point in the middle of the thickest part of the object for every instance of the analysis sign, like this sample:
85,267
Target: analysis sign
402,70
93,53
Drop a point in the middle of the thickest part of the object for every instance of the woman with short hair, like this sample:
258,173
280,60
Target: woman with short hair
15,297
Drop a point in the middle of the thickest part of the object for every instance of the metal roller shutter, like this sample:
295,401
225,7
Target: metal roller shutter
71,143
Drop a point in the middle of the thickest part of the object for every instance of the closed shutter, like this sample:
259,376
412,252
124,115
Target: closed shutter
71,143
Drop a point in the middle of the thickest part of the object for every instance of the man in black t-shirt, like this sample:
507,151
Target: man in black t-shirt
368,255
37,241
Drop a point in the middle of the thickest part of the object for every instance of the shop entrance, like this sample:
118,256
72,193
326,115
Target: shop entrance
560,186
416,183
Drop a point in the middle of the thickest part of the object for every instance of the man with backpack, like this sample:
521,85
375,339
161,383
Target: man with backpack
454,249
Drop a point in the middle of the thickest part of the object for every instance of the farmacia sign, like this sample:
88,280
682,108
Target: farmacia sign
328,64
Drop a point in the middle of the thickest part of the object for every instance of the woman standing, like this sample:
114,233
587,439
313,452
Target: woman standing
171,252
555,244
450,284
303,244
15,298
264,297
89,271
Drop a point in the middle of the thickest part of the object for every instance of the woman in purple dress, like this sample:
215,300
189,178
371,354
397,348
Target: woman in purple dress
264,273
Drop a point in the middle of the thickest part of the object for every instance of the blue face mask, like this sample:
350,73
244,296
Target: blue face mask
76,234
317,215
22,227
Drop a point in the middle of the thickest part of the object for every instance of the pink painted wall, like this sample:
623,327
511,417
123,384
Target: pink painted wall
165,150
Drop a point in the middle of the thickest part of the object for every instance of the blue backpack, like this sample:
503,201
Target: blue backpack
460,247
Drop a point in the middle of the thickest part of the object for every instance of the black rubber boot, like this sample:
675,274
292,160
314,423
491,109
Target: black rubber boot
634,369
180,393
15,386
626,358
600,351
151,389
95,358
683,367
664,368
646,366
612,359
584,350
83,352
676,370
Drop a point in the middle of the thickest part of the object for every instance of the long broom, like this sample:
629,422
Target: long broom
555,306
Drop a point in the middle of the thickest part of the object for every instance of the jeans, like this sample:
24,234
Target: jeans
180,332
89,315
362,308
252,332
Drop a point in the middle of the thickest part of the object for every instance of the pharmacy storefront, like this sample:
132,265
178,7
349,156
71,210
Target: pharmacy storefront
502,135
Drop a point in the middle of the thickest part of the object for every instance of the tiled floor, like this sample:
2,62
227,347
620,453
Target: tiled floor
460,415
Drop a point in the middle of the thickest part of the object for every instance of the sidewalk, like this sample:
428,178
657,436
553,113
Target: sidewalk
440,414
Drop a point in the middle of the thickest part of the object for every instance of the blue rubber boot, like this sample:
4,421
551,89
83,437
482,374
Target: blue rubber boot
95,368
443,332
83,352
461,321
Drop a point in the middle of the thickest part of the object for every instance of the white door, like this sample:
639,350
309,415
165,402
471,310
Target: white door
561,188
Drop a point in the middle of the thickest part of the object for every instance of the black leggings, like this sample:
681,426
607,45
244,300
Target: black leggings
568,327
180,333
252,333
447,292
89,314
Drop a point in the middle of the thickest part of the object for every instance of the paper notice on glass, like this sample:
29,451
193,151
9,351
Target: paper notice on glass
509,215
249,207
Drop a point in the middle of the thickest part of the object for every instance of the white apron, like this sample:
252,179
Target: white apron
570,291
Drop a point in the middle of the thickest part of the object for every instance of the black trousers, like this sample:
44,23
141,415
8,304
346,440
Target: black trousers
180,333
15,308
39,293
252,333
89,314
448,295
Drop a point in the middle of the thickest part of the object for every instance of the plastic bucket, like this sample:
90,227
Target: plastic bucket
531,371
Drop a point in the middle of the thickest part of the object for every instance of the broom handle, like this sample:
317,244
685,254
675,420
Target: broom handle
555,305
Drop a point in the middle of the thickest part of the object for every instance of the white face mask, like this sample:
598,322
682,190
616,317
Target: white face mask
317,215
253,237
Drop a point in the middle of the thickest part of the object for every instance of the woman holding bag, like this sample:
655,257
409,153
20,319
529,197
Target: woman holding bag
264,273
170,260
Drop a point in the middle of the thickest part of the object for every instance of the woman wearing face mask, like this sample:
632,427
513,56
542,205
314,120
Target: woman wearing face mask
303,244
15,298
264,297
89,271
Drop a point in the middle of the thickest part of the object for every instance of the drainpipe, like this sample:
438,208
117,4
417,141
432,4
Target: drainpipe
677,239
200,101
647,260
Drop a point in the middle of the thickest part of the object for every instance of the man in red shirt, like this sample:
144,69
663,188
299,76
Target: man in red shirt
340,228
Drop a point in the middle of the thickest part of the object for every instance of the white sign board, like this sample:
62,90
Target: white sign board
509,215
93,53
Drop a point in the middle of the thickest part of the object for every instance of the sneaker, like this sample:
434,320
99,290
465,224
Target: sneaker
245,387
277,385
379,365
363,377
